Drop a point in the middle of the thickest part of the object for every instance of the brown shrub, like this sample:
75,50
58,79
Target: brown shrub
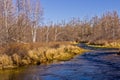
49,44
19,48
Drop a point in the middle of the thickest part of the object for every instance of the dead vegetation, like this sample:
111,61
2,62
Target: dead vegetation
16,55
107,44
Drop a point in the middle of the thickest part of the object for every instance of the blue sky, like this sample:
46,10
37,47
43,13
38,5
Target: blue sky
57,10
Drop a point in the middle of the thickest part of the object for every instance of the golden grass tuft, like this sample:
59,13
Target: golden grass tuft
5,61
16,59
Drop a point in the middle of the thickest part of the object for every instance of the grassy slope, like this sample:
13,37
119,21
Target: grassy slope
17,54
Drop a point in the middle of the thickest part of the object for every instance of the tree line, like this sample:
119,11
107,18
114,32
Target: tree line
98,29
20,21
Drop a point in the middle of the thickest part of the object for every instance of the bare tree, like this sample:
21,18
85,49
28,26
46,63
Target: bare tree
37,16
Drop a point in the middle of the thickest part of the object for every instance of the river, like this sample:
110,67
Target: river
99,64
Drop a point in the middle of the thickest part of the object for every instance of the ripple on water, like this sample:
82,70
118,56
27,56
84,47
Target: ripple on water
89,66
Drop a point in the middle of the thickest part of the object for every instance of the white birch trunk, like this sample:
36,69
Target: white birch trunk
34,34
6,19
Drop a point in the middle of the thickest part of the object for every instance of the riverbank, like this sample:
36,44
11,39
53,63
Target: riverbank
105,44
93,65
17,55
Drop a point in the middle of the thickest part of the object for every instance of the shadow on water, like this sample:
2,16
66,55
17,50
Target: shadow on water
102,64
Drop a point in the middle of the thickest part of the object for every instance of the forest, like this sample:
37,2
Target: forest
22,22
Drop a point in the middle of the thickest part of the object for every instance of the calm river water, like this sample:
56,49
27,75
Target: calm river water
95,65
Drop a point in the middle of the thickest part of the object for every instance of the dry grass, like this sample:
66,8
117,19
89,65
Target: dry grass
16,59
19,48
113,45
50,44
5,61
107,44
38,53
64,52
